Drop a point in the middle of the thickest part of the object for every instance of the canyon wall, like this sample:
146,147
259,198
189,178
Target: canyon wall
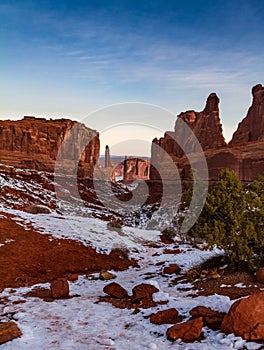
136,169
34,143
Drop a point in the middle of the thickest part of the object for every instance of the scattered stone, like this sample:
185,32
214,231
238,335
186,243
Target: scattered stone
9,331
59,288
246,318
73,277
38,209
106,275
172,251
211,318
260,275
187,331
171,269
115,290
143,291
169,316
40,292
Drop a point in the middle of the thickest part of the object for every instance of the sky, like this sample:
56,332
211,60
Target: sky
71,58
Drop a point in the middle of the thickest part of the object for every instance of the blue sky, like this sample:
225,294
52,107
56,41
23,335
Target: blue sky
69,58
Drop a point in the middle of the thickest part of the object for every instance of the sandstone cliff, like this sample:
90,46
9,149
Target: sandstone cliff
135,169
34,143
244,154
252,126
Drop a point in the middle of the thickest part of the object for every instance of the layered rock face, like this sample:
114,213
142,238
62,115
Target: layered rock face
135,169
244,154
36,143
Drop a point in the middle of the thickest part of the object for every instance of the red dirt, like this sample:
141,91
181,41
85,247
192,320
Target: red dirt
37,258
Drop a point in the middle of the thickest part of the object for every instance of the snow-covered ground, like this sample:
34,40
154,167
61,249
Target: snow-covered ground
81,323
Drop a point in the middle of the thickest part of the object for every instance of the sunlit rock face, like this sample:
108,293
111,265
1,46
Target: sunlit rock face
252,126
35,143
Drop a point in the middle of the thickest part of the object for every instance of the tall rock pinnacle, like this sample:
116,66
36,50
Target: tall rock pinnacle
252,126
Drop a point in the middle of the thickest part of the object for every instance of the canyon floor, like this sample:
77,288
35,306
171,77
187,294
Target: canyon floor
36,248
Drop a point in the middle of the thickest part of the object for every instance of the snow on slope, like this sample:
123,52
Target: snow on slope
81,323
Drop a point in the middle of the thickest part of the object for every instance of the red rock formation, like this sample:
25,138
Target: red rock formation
135,169
244,154
252,126
34,143
205,125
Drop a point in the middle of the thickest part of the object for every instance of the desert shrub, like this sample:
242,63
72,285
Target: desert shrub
114,224
169,233
232,219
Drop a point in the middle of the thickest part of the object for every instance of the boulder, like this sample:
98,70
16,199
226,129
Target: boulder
115,290
60,288
38,209
169,316
172,269
143,291
187,331
9,331
211,318
106,275
246,318
260,275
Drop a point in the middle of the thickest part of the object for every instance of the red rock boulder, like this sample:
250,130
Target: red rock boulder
211,318
172,269
9,331
260,275
143,291
169,316
115,291
59,288
246,318
187,331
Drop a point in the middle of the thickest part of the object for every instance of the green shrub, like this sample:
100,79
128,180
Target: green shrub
232,219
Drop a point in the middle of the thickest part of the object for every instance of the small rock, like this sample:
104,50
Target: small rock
143,291
246,318
172,269
187,331
9,331
38,209
73,277
115,290
260,275
169,316
59,288
106,275
211,318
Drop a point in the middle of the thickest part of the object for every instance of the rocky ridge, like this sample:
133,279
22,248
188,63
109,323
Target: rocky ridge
243,154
